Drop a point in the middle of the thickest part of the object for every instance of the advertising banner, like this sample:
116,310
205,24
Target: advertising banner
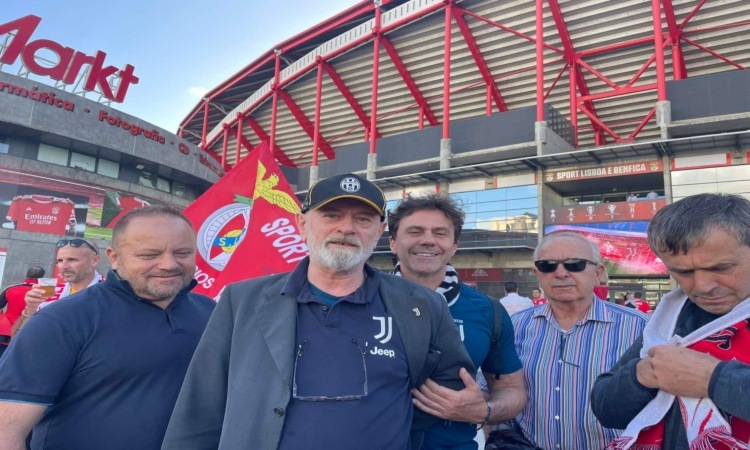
613,170
603,212
246,225
623,246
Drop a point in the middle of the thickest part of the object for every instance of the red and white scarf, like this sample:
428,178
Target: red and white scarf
726,338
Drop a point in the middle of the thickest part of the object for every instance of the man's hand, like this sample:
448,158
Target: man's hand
466,405
678,371
33,298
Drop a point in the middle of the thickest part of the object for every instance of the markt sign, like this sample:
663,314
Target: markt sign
70,62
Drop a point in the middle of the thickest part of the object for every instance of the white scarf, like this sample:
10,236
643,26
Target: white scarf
660,331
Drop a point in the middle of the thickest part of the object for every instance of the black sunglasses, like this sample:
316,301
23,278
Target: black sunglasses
75,243
571,265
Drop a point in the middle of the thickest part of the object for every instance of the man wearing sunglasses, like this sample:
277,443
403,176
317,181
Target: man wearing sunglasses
686,379
101,369
565,343
76,262
324,357
424,235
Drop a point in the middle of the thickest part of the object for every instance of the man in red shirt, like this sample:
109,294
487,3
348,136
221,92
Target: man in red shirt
641,304
14,298
536,297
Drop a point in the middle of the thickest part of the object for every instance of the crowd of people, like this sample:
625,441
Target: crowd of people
339,355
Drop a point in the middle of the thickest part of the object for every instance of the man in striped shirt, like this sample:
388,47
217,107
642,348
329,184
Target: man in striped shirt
567,342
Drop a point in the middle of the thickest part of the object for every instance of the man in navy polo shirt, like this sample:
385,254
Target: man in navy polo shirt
424,235
324,356
101,369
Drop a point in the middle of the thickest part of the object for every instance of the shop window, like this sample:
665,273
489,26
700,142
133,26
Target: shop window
85,162
146,178
162,184
108,168
53,155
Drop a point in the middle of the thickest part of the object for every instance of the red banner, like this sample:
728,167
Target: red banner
614,170
603,212
246,225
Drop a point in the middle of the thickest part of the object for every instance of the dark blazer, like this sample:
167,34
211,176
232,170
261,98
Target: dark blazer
238,385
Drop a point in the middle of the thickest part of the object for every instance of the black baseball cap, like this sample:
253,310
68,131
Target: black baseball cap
347,185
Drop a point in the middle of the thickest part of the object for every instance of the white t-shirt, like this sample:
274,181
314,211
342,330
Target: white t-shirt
514,303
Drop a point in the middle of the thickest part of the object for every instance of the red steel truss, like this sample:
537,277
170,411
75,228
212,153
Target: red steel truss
669,38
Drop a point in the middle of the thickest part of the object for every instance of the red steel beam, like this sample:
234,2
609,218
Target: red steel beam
410,83
484,70
225,144
617,92
305,123
597,74
661,72
275,103
539,21
238,147
510,30
679,69
712,53
447,71
641,125
375,80
692,13
205,125
276,151
318,107
573,59
348,96
595,119
613,47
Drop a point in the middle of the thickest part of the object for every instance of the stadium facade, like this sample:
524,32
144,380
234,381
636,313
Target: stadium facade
71,166
540,115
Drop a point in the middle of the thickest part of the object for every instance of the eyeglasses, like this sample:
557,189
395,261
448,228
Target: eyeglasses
571,265
75,243
322,398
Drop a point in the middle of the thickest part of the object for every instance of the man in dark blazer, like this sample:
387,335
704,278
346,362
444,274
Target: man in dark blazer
325,356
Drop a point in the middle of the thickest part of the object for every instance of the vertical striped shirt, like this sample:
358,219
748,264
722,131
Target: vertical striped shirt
560,367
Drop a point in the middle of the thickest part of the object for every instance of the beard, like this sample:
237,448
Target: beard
338,258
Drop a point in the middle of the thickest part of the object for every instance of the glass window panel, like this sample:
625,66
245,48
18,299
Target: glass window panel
146,178
527,191
162,184
525,203
108,168
492,195
470,222
500,205
53,155
4,147
85,162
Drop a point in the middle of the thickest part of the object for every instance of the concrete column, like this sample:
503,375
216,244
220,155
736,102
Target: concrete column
664,117
667,178
313,175
445,154
372,165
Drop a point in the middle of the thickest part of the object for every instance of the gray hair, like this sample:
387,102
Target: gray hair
684,224
596,256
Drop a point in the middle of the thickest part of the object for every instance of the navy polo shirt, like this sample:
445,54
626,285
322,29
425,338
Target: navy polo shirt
108,364
351,381
474,315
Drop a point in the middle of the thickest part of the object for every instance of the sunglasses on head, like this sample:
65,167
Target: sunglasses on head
75,243
571,265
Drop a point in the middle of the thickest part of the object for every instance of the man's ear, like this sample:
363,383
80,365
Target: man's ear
113,257
301,221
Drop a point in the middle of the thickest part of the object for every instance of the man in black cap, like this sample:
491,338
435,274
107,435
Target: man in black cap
325,356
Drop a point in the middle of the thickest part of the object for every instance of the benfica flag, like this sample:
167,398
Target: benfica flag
246,225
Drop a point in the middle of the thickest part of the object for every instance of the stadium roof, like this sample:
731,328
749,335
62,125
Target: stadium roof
609,44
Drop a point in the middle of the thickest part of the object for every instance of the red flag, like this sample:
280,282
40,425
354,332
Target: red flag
246,225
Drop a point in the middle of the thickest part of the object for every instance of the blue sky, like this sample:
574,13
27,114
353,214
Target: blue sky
179,49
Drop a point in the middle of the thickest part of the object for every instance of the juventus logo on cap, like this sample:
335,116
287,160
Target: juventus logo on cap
350,184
